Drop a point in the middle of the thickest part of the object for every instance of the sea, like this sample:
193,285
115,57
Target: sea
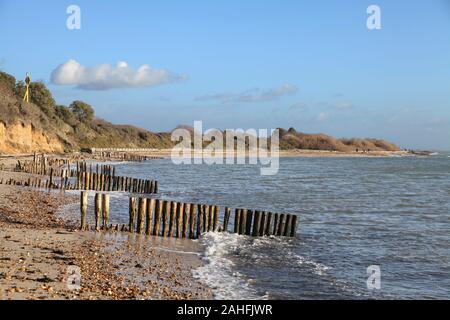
369,227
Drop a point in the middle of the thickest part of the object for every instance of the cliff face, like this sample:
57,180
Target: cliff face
23,138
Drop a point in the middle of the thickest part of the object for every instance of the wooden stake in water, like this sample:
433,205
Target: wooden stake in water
237,219
256,224
192,219
226,219
294,226
287,227
199,220
132,215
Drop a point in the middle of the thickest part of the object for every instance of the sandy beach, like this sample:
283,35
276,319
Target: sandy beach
37,248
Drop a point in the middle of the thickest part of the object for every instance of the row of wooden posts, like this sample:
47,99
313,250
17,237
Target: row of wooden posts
124,156
187,220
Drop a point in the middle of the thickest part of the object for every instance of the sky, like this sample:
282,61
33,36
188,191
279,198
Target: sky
312,65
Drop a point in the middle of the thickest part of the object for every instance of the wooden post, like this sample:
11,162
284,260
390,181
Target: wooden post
159,207
263,223
51,178
267,229
287,227
237,219
132,215
216,218
206,214
281,225
141,215
150,208
256,224
293,226
105,210
212,212
98,210
166,214
226,219
187,210
173,218
243,222
180,210
275,224
199,220
192,222
83,209
248,228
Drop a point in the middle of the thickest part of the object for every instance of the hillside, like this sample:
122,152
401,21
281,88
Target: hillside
42,125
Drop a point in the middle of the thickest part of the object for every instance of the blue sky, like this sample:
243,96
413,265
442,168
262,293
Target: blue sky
312,65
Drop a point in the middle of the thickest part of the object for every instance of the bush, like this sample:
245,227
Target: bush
82,111
8,80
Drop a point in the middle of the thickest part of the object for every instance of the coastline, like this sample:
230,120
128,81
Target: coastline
37,247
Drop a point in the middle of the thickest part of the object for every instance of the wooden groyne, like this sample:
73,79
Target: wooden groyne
165,218
81,177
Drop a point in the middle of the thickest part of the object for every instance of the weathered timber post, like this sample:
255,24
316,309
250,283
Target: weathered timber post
294,226
256,224
226,219
262,227
281,225
275,224
237,220
159,208
287,227
199,220
186,214
105,211
98,210
248,228
173,217
166,214
83,209
267,229
243,222
180,213
216,218
141,215
132,215
150,208
192,219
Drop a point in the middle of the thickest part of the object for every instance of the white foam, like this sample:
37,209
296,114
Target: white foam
217,272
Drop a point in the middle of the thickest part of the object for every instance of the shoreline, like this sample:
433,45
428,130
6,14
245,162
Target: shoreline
37,247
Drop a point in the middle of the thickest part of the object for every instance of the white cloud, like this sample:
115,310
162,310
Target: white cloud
105,76
323,116
253,95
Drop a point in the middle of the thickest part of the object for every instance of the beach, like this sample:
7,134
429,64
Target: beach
38,248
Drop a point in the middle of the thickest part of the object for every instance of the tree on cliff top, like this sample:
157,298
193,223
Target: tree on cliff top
82,110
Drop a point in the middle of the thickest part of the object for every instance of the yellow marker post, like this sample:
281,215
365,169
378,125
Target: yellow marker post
27,82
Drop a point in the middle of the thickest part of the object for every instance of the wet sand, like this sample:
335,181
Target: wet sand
38,249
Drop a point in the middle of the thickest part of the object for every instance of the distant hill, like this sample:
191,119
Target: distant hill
42,125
